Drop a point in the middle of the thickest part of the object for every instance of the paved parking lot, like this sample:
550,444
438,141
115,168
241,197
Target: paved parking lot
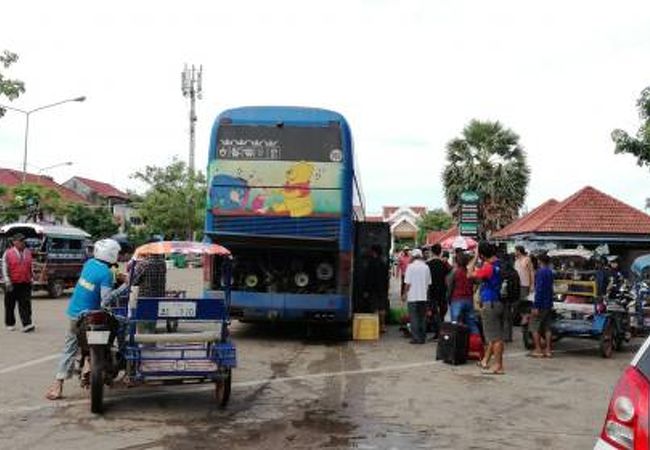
294,393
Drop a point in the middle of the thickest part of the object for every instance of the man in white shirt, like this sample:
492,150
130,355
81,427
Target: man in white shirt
526,271
416,285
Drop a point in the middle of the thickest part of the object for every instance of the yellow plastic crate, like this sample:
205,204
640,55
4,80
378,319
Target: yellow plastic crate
365,327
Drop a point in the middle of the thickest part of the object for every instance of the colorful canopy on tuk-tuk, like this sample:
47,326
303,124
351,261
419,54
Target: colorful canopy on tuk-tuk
182,247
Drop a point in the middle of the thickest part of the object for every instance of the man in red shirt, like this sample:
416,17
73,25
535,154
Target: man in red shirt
17,274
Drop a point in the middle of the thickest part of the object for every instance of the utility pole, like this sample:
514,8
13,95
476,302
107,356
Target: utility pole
192,88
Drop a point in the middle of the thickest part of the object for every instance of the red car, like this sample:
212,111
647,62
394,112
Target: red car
627,421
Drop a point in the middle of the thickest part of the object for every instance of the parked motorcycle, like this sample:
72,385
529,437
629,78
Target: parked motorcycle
100,337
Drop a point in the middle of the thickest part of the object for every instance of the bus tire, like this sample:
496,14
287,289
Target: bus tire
345,331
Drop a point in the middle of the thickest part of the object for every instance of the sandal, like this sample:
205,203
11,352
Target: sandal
55,392
493,372
536,355
482,366
548,355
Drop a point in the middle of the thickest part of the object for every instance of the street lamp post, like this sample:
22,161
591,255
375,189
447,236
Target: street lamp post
27,114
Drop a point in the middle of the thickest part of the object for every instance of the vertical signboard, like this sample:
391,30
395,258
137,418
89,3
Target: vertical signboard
469,217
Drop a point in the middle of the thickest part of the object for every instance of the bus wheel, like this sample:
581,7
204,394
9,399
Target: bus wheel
55,288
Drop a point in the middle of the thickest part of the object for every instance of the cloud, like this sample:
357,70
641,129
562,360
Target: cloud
408,76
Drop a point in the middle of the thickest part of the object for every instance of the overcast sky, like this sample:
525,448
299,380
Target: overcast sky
408,75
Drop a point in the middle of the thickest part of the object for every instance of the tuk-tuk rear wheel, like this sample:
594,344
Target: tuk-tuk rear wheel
97,379
222,387
607,341
528,337
55,288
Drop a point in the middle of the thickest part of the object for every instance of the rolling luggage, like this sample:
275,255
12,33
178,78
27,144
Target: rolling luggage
475,350
452,343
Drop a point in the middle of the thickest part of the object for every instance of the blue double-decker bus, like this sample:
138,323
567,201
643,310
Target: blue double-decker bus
284,196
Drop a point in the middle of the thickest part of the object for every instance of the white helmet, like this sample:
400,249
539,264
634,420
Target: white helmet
106,250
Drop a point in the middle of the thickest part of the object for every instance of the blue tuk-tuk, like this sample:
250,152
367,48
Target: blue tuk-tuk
579,309
202,351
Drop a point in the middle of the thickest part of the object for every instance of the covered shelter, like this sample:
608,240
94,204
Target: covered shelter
588,218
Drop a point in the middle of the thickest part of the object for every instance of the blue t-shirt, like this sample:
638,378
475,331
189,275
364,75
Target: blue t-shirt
543,288
490,276
88,291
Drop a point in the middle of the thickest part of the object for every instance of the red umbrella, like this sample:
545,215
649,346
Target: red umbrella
183,247
463,242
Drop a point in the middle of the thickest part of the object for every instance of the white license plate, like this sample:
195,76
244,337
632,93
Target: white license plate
97,337
176,309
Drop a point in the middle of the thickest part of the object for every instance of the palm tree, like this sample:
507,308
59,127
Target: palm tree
487,159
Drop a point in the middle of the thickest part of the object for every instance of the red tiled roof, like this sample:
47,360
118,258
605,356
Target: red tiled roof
11,178
528,222
586,211
436,237
374,219
103,189
390,210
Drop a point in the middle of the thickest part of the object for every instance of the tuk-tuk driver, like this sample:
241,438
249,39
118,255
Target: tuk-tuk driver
93,290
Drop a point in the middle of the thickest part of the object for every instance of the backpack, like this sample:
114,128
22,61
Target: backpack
510,287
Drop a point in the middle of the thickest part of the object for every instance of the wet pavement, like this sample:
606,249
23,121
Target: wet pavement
291,392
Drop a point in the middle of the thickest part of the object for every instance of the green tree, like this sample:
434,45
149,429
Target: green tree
9,87
489,160
174,203
638,145
137,235
32,201
99,222
434,220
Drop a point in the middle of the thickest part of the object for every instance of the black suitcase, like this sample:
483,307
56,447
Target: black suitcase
453,340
